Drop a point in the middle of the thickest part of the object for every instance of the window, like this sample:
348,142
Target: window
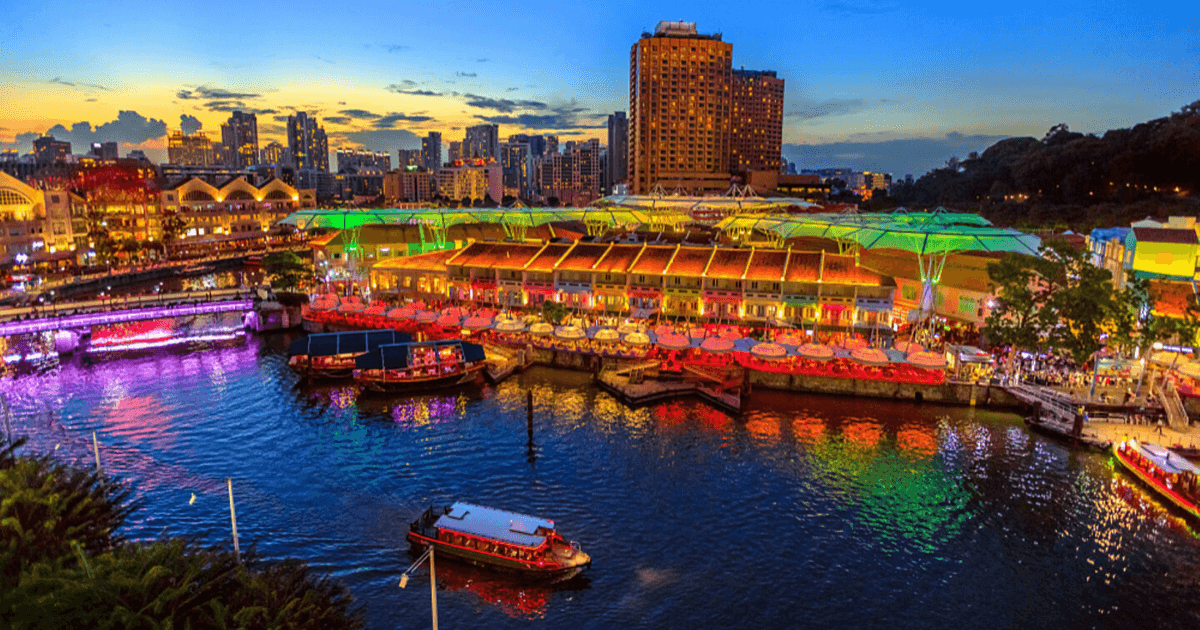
908,292
966,305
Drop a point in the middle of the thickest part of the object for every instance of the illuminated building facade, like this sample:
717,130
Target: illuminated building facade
191,149
756,123
233,211
408,157
408,185
617,167
482,142
431,151
47,150
472,180
680,102
240,136
308,143
765,285
39,225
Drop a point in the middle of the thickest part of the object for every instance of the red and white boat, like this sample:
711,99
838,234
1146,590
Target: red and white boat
1167,473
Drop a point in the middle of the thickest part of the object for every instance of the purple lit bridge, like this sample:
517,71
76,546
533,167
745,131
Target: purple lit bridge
88,320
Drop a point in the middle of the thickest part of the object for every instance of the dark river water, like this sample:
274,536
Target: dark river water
807,512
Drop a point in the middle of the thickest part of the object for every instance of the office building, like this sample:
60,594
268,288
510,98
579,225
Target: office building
482,142
517,167
408,157
679,110
471,181
105,150
47,150
308,143
537,144
363,160
756,122
190,149
551,145
276,154
431,151
456,153
617,166
240,136
409,186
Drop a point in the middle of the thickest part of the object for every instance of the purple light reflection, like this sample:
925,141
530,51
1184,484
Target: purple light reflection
116,317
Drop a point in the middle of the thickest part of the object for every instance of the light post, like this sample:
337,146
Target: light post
432,580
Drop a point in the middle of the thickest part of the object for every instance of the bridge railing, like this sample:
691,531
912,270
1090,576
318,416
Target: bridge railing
122,316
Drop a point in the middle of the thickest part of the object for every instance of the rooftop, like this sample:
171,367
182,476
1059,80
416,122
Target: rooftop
501,525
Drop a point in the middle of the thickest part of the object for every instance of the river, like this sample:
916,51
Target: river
810,511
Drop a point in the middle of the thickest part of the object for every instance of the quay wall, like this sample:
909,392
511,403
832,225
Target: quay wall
950,393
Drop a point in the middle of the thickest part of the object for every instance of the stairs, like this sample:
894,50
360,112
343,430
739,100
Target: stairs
1169,398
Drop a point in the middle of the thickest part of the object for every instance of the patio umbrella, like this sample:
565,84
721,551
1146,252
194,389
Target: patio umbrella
475,323
375,310
664,330
716,345
908,347
627,328
322,305
815,351
672,341
697,333
928,360
541,328
637,339
449,320
606,334
487,312
789,339
854,344
351,308
454,311
730,335
427,317
417,306
570,332
768,350
401,313
869,356
510,325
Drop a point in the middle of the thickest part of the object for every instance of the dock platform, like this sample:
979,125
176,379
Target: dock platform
653,391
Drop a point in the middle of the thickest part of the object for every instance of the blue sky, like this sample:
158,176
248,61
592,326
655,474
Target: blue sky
864,79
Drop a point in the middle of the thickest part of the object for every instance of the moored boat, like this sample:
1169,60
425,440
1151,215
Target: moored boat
1167,473
1057,428
332,355
421,365
498,539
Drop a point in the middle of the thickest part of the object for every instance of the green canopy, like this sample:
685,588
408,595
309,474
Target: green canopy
444,218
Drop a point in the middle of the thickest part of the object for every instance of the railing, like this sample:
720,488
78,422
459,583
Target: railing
1176,415
117,317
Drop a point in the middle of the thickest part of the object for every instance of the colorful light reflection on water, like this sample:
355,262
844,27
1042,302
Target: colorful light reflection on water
808,511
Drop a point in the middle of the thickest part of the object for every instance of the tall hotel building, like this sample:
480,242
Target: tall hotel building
680,102
756,129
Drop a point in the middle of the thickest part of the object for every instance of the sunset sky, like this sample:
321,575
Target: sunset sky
886,86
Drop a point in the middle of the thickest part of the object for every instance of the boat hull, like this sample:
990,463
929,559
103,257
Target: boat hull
1156,485
492,561
466,377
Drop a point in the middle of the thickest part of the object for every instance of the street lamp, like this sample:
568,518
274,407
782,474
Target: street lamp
432,579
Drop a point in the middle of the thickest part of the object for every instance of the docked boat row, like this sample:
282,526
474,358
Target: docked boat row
332,355
1167,473
388,360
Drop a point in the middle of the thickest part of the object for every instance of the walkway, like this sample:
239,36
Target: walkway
99,313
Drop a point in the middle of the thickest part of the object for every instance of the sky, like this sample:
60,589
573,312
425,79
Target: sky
889,86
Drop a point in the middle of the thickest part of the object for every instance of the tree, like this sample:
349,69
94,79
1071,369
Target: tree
553,311
286,270
1015,320
173,226
1081,305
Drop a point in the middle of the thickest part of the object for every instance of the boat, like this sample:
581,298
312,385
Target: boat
332,355
1047,425
421,365
1167,473
499,539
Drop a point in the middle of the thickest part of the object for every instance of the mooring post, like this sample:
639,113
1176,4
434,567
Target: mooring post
7,414
96,450
237,552
529,414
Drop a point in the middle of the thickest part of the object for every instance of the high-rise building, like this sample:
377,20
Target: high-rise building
431,151
482,142
47,150
551,145
756,123
240,135
409,186
190,149
307,142
679,109
516,164
587,171
618,150
456,152
408,157
537,144
275,153
105,150
363,160
474,181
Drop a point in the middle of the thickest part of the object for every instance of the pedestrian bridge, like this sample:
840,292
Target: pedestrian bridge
159,307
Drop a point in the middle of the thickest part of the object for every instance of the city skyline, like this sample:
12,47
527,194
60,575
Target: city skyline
873,86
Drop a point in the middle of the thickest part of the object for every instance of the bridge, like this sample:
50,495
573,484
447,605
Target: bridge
100,313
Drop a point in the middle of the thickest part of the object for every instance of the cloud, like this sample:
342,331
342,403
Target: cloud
563,116
397,48
322,59
465,74
857,7
206,92
502,105
403,89
484,60
388,121
337,120
378,139
89,100
512,89
236,106
189,124
899,157
130,127
810,109
357,113
77,84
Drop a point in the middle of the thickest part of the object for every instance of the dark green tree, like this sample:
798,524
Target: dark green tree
1081,306
286,270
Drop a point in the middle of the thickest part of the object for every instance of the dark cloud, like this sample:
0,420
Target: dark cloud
189,124
236,106
484,60
397,48
206,92
857,7
502,105
542,121
378,139
337,120
512,89
809,109
403,89
357,113
388,121
898,157
280,118
465,74
77,84
130,127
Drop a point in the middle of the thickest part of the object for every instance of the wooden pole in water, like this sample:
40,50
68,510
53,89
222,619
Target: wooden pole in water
529,414
7,416
433,588
96,450
233,519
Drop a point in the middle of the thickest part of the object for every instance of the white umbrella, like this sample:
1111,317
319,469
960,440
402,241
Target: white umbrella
606,334
769,350
510,325
637,339
541,328
570,332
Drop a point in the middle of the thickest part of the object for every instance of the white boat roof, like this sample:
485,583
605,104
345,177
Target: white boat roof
501,525
1166,460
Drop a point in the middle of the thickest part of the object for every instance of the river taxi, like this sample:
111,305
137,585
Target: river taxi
498,539
421,365
1167,473
331,355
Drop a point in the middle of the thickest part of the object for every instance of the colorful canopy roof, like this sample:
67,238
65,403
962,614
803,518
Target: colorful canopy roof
444,218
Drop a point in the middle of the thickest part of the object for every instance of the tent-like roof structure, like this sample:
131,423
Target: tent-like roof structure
690,204
444,218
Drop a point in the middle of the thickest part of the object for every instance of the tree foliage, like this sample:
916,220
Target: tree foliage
286,270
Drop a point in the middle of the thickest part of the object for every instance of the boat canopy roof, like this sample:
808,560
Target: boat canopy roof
398,356
1168,462
501,525
353,342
